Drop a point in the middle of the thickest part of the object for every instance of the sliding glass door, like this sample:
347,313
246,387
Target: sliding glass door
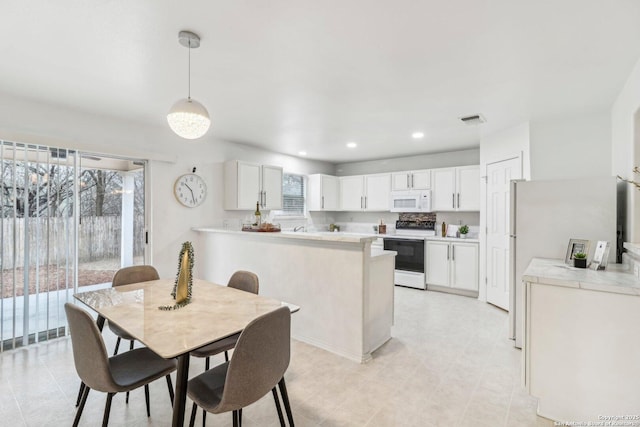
67,220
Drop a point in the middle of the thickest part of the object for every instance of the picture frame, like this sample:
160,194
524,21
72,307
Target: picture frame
601,255
575,246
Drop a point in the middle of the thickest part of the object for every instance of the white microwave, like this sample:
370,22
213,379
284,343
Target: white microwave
411,201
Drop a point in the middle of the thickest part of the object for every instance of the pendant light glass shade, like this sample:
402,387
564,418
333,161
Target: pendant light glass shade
189,119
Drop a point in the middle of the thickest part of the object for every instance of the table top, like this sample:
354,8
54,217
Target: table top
215,312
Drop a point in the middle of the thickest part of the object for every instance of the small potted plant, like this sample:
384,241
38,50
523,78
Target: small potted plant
464,229
580,260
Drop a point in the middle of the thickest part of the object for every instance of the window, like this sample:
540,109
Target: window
292,195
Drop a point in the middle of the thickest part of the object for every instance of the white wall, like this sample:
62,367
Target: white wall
571,147
625,141
170,156
424,161
503,145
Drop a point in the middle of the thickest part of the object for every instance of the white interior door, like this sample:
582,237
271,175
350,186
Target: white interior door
499,175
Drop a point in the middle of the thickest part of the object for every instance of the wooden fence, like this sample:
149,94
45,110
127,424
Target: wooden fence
51,240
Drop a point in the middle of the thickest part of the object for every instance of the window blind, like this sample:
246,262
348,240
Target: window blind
292,195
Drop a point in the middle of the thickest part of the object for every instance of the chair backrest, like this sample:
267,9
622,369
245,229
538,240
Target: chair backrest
89,352
245,281
134,274
260,359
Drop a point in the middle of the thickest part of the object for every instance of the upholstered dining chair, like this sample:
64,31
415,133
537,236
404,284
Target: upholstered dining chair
244,281
123,372
259,361
127,276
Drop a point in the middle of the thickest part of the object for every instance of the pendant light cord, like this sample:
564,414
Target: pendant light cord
189,98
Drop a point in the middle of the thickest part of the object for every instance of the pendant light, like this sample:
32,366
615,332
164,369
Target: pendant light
188,118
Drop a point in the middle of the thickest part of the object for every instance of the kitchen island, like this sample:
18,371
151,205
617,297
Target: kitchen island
581,347
344,287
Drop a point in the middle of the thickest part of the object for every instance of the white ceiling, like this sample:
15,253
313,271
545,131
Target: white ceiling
292,75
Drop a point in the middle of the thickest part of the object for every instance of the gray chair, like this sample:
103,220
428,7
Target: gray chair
260,359
127,276
123,372
244,281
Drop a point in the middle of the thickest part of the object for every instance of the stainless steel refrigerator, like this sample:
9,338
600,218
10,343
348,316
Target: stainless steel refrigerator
544,216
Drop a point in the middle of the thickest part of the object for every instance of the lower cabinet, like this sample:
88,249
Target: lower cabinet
452,264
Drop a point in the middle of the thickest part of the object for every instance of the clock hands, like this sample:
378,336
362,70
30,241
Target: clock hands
192,196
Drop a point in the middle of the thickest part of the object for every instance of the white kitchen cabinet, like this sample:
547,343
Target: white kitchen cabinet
456,189
452,264
411,180
322,193
365,192
249,183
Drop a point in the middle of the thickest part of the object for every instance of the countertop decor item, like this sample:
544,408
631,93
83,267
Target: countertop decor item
187,117
580,260
265,227
182,289
576,246
464,229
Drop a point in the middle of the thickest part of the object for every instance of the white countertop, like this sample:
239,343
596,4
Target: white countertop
556,273
301,235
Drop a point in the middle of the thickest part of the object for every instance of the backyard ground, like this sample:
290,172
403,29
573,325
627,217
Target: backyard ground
55,276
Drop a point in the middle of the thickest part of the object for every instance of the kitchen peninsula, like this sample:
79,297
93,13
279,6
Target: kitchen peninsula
344,287
581,341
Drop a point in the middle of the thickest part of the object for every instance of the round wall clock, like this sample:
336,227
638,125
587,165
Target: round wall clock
190,190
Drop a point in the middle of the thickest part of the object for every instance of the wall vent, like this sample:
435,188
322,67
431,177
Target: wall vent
475,119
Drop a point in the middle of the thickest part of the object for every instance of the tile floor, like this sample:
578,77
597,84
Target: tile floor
449,364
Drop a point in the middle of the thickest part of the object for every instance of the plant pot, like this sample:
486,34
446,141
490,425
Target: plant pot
463,236
580,262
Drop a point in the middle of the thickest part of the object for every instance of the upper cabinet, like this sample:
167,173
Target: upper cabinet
322,193
411,180
456,189
368,192
246,184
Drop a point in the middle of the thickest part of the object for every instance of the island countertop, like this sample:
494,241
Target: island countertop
302,235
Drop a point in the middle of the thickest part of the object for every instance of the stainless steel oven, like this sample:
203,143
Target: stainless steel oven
409,261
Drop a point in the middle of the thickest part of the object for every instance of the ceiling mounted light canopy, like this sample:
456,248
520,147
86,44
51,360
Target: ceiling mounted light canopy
188,118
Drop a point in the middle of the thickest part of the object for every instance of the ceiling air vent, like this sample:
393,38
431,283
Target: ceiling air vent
475,119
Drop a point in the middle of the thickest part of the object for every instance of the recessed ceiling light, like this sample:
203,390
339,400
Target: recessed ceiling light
352,144
417,135
302,153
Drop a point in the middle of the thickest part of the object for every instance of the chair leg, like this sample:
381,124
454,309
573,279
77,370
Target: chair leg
204,417
240,417
285,400
278,408
107,410
226,356
127,399
117,345
131,345
170,385
206,364
192,420
146,399
85,393
80,392
235,419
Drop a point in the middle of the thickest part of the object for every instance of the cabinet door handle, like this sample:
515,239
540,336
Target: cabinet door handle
448,253
365,202
264,199
412,183
322,202
408,186
458,200
453,253
453,200
361,202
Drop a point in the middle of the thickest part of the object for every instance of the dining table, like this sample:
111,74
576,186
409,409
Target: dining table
214,313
